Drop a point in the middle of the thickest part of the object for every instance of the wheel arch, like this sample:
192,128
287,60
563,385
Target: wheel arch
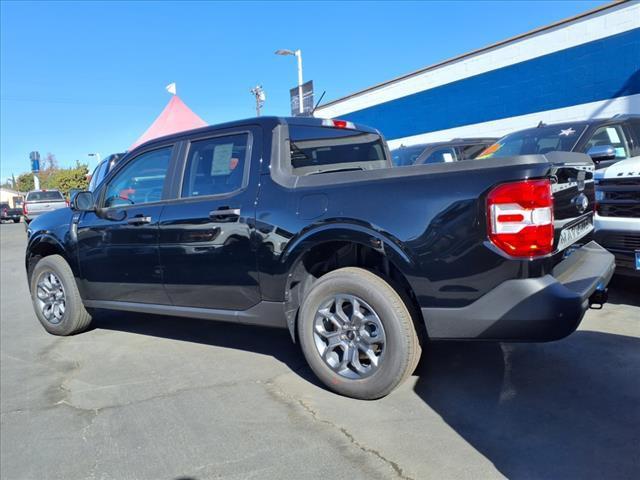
42,246
329,247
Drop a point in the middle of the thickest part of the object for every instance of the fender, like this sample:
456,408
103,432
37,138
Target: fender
327,232
45,240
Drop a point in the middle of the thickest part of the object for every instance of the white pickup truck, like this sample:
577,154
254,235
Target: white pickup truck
617,218
42,201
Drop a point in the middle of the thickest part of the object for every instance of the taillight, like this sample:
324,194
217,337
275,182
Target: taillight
520,218
327,122
24,209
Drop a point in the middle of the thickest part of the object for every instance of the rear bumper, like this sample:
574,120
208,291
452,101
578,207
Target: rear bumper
534,309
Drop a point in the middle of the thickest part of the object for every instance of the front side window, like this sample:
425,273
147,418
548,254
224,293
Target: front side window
611,135
317,150
140,181
215,166
441,155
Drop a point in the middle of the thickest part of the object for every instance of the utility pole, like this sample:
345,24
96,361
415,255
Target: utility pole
260,96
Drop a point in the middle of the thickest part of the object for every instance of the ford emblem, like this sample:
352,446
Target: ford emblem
581,202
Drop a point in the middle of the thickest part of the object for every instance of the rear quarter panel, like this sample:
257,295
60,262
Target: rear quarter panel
432,225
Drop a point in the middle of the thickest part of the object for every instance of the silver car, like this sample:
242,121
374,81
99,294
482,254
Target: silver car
42,201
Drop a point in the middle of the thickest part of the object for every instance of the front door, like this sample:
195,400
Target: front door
118,244
205,235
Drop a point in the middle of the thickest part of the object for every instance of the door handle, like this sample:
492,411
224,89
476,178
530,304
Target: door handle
224,212
139,220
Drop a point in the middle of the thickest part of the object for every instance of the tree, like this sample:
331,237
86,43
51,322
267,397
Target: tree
65,179
49,162
24,182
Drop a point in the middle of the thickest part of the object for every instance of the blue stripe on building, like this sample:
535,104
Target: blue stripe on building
598,70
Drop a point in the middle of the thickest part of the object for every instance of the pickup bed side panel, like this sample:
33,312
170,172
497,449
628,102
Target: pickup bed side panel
434,223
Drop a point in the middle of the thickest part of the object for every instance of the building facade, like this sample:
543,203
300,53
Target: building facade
587,66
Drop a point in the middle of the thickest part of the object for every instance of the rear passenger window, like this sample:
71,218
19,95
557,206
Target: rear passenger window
215,166
442,155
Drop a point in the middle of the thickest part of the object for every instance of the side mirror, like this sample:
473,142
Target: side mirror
83,202
600,153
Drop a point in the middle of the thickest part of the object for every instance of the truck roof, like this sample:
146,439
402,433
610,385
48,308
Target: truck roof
268,122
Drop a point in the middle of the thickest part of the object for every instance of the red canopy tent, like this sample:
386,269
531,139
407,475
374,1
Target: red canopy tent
176,117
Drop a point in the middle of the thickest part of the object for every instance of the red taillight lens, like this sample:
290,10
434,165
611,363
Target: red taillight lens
520,218
24,209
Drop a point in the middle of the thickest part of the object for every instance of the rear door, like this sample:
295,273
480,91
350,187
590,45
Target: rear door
118,244
206,248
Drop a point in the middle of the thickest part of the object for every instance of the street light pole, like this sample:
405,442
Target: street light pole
298,55
95,155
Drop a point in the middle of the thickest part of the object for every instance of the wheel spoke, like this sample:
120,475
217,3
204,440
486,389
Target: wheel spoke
345,337
340,312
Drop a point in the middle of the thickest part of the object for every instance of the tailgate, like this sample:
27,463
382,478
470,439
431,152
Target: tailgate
42,207
573,197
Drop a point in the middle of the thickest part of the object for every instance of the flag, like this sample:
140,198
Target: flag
171,88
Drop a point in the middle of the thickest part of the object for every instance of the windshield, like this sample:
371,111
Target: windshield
321,149
49,196
404,156
539,140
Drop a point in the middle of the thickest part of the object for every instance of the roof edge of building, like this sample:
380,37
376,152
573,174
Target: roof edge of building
530,33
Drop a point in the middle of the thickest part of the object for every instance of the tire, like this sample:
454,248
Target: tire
74,318
396,355
16,220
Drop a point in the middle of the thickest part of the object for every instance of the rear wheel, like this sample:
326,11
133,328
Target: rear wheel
357,334
16,220
56,299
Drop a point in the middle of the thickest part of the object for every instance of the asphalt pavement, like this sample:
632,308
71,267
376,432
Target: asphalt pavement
151,397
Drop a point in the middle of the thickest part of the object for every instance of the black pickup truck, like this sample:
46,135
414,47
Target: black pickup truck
8,213
303,224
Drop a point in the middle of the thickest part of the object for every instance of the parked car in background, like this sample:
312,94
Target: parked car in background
10,214
440,152
287,223
617,219
102,169
42,201
605,140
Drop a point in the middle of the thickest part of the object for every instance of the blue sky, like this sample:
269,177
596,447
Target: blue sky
79,77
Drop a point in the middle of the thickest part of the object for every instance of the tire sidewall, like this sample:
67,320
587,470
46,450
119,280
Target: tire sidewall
56,264
396,352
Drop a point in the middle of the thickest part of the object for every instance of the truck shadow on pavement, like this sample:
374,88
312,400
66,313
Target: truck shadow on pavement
273,342
566,409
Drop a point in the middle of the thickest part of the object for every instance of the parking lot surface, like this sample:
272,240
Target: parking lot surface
150,397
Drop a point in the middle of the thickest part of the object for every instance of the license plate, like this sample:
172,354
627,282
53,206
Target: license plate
575,233
638,260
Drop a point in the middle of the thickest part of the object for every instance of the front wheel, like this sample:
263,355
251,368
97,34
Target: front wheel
56,299
357,334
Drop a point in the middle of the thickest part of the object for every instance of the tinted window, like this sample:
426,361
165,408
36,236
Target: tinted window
610,135
215,166
441,155
562,138
50,196
322,149
140,181
404,156
470,152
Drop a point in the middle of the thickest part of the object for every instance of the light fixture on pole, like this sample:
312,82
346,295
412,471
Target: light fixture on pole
95,155
258,92
298,55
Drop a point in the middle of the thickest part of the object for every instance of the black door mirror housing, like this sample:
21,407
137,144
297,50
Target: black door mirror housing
601,153
83,202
